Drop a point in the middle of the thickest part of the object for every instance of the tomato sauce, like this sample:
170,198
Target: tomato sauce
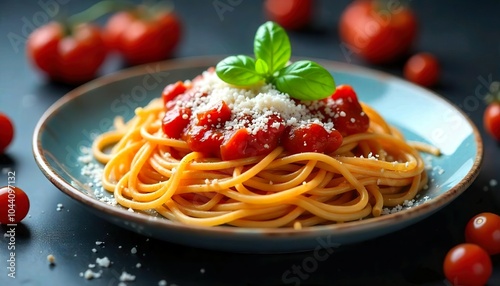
207,131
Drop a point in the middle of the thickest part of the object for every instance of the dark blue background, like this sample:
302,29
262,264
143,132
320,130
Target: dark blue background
464,35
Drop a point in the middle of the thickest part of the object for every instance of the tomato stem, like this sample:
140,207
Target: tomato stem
493,94
383,5
98,10
149,9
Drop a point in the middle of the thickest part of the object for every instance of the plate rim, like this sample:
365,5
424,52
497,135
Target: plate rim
428,207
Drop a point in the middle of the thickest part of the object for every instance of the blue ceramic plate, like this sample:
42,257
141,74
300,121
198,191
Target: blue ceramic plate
69,125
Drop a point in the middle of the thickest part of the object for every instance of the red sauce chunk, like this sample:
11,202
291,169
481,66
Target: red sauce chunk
311,138
173,90
230,123
349,117
241,143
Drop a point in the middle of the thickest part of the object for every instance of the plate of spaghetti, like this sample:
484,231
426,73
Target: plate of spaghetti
171,151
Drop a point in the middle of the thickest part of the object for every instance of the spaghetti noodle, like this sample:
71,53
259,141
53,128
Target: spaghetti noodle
147,170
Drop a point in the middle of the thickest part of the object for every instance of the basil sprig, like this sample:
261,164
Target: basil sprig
304,80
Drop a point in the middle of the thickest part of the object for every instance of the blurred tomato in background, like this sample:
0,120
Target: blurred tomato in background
290,14
66,53
378,31
144,34
422,69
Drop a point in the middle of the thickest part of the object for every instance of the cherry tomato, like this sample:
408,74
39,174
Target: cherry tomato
6,132
422,69
491,120
143,35
467,265
290,14
69,55
14,204
484,230
376,32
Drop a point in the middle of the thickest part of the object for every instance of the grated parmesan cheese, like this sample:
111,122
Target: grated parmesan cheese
89,274
103,262
257,103
133,250
407,204
124,277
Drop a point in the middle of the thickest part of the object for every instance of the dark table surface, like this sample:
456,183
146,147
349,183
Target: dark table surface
464,35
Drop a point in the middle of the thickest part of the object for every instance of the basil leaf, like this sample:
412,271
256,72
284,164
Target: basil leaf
238,70
261,67
305,80
272,45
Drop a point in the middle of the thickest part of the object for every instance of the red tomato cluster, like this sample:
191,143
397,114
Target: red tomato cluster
74,53
143,38
469,264
70,57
